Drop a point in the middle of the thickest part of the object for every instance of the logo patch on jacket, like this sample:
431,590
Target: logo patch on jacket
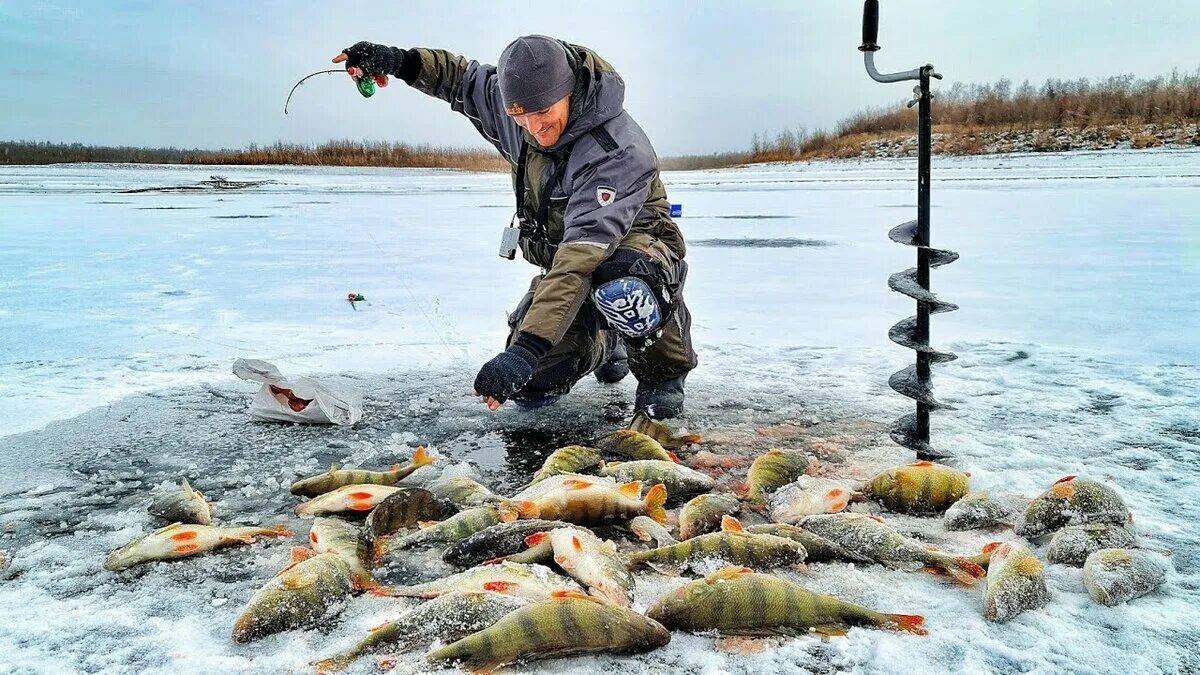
606,195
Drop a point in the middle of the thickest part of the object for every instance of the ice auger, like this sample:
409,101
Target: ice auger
912,430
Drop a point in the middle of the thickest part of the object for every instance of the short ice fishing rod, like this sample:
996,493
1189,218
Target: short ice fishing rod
366,85
912,430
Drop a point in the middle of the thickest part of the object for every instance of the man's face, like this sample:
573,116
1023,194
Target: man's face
546,126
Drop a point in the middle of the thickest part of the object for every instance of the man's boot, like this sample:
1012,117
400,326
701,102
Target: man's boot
616,367
661,400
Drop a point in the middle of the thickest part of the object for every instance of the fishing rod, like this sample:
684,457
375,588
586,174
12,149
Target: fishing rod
366,85
912,430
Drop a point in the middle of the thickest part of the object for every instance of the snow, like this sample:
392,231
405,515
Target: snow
120,315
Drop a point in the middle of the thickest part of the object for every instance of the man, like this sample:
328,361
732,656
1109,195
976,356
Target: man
592,213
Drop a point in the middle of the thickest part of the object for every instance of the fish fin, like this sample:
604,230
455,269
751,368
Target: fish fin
563,562
385,663
830,630
333,664
244,539
376,629
655,498
426,524
631,489
731,524
742,644
908,623
280,530
333,468
835,493
674,457
186,535
576,544
360,505
1064,479
964,570
576,483
507,513
187,548
837,507
363,582
187,487
640,533
499,586
572,594
988,548
379,549
689,438
421,457
395,467
527,509
924,462
536,538
726,573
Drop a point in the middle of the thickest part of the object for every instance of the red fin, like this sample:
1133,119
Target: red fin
387,663
572,594
536,538
836,492
187,548
186,535
312,538
576,543
576,483
1064,479
631,489
690,438
908,623
837,507
280,530
922,463
655,498
421,457
731,524
527,509
360,495
361,506
674,457
988,548
499,586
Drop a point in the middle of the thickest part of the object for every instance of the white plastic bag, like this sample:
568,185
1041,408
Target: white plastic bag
305,400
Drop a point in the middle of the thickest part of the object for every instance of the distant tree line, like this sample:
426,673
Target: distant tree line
1081,103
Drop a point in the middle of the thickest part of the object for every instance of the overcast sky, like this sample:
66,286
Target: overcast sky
701,76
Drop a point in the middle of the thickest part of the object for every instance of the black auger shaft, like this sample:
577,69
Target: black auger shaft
915,381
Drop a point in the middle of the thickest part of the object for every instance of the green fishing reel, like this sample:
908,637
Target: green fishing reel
366,86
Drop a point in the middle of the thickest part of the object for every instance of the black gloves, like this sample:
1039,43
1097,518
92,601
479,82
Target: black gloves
504,375
376,59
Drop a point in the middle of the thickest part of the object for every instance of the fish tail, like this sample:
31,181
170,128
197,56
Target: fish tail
421,457
526,510
964,570
333,664
690,438
279,530
655,498
907,623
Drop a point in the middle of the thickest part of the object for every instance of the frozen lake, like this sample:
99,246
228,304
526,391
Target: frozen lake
1078,338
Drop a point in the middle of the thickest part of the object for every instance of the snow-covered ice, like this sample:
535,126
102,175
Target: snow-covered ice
120,315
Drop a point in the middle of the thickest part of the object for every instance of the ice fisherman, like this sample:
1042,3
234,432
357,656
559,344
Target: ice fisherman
591,211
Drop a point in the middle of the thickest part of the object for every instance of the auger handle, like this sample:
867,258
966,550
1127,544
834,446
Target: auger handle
870,32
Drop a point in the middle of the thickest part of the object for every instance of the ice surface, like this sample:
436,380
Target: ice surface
1079,288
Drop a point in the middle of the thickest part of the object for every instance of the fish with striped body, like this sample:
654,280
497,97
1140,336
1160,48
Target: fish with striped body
335,478
677,478
984,509
660,432
403,509
569,623
649,529
703,514
817,548
592,503
1115,575
444,619
1074,543
178,540
548,485
1072,501
348,499
314,587
185,505
462,492
590,561
807,496
772,470
533,582
329,535
870,537
737,601
455,528
732,544
634,445
919,488
571,459
500,541
1016,581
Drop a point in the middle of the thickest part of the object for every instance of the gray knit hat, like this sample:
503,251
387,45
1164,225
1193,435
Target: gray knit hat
534,74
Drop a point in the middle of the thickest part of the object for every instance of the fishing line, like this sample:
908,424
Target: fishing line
302,80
